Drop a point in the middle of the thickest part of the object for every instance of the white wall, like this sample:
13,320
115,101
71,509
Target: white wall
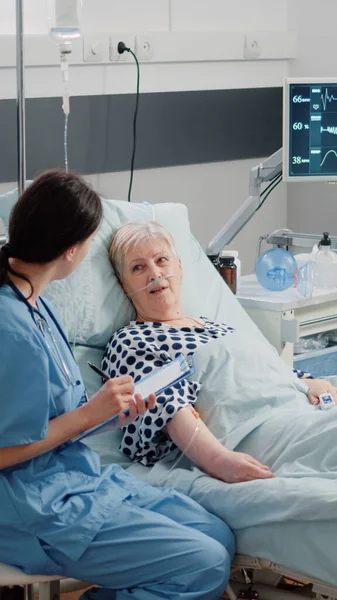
312,207
211,191
152,15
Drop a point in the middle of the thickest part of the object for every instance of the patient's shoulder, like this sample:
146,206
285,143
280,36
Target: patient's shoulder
219,324
137,336
126,332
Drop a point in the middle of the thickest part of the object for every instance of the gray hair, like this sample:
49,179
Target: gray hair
130,235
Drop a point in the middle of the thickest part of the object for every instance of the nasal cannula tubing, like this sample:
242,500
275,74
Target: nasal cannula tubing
152,282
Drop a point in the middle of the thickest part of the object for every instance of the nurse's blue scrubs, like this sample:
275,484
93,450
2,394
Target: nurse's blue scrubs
61,513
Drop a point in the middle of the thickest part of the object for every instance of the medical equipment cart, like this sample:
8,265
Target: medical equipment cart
284,317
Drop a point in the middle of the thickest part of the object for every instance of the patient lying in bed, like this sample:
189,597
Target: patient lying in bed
150,273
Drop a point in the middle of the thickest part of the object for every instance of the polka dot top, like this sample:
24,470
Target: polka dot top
141,348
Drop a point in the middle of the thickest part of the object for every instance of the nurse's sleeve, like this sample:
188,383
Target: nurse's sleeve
24,390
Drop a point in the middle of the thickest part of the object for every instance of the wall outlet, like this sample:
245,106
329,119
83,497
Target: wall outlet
128,40
252,48
96,48
143,47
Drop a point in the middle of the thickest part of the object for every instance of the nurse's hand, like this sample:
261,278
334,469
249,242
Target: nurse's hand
116,396
137,407
317,387
113,397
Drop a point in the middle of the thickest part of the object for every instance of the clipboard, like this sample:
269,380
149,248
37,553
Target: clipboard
154,383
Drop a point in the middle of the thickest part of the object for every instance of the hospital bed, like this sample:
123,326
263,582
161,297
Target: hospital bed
92,306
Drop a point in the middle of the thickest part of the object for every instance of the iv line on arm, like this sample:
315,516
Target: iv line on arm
183,452
181,455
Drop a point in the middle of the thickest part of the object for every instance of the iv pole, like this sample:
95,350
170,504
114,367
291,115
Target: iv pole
20,104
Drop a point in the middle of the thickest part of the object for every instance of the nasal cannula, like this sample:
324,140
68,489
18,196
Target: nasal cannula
152,282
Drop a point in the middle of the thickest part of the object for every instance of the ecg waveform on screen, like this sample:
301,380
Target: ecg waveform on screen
327,154
326,98
329,129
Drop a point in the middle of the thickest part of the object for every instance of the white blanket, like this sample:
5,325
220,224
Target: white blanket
254,403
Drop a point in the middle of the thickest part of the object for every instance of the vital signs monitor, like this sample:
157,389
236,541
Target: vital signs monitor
310,129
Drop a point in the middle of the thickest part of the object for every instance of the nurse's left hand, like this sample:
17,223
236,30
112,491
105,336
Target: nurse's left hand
317,387
137,407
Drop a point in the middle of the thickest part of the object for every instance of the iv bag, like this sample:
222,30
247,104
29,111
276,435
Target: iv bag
64,20
277,270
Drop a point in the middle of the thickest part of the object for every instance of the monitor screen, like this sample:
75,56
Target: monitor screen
310,129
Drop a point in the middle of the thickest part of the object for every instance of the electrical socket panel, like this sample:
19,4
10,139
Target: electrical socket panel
144,47
96,48
129,41
252,46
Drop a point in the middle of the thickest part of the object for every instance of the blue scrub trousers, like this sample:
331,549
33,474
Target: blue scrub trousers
157,544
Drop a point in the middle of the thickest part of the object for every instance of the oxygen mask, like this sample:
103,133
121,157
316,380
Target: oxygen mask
277,270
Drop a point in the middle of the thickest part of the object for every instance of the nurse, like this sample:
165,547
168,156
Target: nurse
60,512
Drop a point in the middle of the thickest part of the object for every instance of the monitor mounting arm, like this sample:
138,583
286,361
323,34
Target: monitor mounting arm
265,171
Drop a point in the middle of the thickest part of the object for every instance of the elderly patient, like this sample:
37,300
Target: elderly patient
150,272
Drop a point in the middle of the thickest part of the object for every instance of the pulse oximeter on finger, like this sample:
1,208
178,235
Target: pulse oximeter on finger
326,401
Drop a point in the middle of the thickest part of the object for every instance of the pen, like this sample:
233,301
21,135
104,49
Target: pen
98,371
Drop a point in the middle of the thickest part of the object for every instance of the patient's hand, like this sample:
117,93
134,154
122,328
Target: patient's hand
317,387
237,467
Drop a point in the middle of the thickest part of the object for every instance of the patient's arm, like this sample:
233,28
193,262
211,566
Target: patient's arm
302,374
208,453
316,386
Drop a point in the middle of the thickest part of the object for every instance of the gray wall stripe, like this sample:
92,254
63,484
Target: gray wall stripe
174,128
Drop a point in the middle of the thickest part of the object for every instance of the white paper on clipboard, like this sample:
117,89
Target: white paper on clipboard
155,383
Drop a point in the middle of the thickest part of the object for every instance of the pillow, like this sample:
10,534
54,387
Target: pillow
7,202
92,304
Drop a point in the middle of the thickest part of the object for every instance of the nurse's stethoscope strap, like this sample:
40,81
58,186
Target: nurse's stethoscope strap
53,347
43,326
